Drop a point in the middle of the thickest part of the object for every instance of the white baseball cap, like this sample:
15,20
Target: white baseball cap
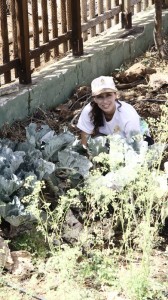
103,84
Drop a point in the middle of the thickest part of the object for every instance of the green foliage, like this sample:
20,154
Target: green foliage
31,241
100,267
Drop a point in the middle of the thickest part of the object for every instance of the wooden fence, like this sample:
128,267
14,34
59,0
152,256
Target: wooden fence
36,32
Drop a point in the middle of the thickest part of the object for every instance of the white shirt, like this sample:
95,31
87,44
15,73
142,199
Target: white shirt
125,121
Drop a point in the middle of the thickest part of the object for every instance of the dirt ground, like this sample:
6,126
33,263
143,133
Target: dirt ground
147,98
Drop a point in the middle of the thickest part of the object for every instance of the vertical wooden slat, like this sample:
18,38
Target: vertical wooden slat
83,4
45,27
36,41
122,14
108,6
165,4
126,15
69,18
138,7
64,23
151,2
14,31
92,15
69,14
54,21
5,41
117,19
77,42
145,4
23,41
100,11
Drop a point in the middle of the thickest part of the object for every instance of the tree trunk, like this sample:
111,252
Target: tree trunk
158,37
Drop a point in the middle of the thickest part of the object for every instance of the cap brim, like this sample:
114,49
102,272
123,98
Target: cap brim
96,93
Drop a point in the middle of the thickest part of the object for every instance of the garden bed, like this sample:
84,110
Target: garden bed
110,263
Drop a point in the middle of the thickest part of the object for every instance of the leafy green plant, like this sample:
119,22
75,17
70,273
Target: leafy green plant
32,241
100,267
38,157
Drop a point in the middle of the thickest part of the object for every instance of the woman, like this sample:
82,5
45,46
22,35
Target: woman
107,115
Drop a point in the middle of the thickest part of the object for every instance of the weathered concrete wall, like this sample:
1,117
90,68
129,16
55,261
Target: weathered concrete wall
56,83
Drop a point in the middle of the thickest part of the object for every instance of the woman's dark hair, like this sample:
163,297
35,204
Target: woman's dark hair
96,115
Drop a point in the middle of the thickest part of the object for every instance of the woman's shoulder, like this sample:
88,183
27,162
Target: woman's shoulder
125,107
87,108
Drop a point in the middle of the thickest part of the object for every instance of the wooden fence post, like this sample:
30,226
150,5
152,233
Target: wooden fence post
126,16
4,35
77,41
23,41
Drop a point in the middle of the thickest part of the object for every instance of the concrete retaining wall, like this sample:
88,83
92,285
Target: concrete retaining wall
56,83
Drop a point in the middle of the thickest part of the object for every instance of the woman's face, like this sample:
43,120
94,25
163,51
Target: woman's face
106,102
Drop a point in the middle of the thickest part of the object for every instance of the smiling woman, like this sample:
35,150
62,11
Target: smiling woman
106,114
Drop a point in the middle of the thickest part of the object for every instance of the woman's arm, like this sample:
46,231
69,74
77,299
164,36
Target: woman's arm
132,128
84,138
85,124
